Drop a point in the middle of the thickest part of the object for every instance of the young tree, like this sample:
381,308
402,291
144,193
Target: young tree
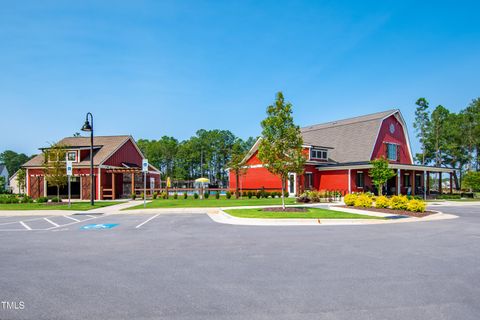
472,181
54,166
21,180
237,163
421,124
380,173
281,142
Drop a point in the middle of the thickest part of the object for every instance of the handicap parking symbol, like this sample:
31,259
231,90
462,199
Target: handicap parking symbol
99,226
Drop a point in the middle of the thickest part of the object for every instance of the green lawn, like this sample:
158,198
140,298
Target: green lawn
313,213
212,202
77,206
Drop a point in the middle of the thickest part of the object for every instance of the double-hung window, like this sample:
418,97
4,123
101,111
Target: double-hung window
72,156
360,179
392,152
308,180
319,154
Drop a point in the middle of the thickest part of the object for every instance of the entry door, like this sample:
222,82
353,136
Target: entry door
292,184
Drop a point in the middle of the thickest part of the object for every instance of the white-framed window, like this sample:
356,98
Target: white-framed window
320,154
308,180
360,179
72,156
392,151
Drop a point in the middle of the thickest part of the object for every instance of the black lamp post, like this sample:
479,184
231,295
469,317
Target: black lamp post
89,128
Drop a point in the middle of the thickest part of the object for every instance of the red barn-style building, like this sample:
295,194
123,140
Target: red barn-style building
117,167
338,158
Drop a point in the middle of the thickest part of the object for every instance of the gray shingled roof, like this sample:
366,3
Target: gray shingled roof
107,144
352,139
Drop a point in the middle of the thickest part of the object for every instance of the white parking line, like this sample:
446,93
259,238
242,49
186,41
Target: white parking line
90,216
151,218
71,218
48,220
26,227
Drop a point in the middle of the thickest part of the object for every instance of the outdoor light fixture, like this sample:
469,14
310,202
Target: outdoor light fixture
89,128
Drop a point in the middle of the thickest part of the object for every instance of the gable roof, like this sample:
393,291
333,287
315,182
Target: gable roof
348,140
352,139
104,146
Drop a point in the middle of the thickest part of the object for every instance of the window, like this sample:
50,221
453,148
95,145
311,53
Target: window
308,180
319,154
392,151
360,179
406,180
72,156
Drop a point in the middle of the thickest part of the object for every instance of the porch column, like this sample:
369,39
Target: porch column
399,182
424,185
428,182
412,182
113,186
133,182
451,182
349,180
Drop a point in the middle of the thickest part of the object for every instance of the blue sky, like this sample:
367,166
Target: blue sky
153,68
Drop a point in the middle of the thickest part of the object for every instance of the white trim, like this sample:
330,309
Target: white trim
294,184
252,150
349,180
391,165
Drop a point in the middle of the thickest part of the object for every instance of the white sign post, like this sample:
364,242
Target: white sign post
152,185
145,170
69,175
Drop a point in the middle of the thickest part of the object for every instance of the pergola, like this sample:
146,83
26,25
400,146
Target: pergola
425,171
118,170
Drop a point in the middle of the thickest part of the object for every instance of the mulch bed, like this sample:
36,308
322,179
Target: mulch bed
397,212
287,209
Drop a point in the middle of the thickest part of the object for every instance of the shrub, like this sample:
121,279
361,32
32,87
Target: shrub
416,205
164,195
363,200
350,199
206,194
56,199
258,194
155,195
175,196
133,196
399,202
195,195
42,200
314,196
142,196
228,194
382,202
8,199
185,195
26,199
303,198
217,195
249,194
266,194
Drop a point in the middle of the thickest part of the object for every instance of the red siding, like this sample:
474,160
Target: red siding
256,178
126,153
333,180
398,137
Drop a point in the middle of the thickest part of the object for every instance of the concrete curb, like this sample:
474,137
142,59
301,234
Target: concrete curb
225,218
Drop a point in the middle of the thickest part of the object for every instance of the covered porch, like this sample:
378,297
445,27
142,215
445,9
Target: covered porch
123,182
408,180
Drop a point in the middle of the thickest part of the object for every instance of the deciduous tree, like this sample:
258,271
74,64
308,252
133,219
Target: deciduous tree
281,142
380,173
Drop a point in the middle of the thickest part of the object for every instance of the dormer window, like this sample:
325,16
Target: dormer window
318,154
72,156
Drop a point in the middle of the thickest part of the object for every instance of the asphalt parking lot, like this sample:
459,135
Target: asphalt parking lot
185,266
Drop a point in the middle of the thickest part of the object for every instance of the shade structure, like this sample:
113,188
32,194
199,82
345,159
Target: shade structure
203,180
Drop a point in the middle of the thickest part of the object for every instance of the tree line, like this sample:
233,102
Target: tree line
449,139
208,154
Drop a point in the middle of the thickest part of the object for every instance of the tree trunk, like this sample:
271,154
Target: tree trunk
455,178
58,194
283,193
